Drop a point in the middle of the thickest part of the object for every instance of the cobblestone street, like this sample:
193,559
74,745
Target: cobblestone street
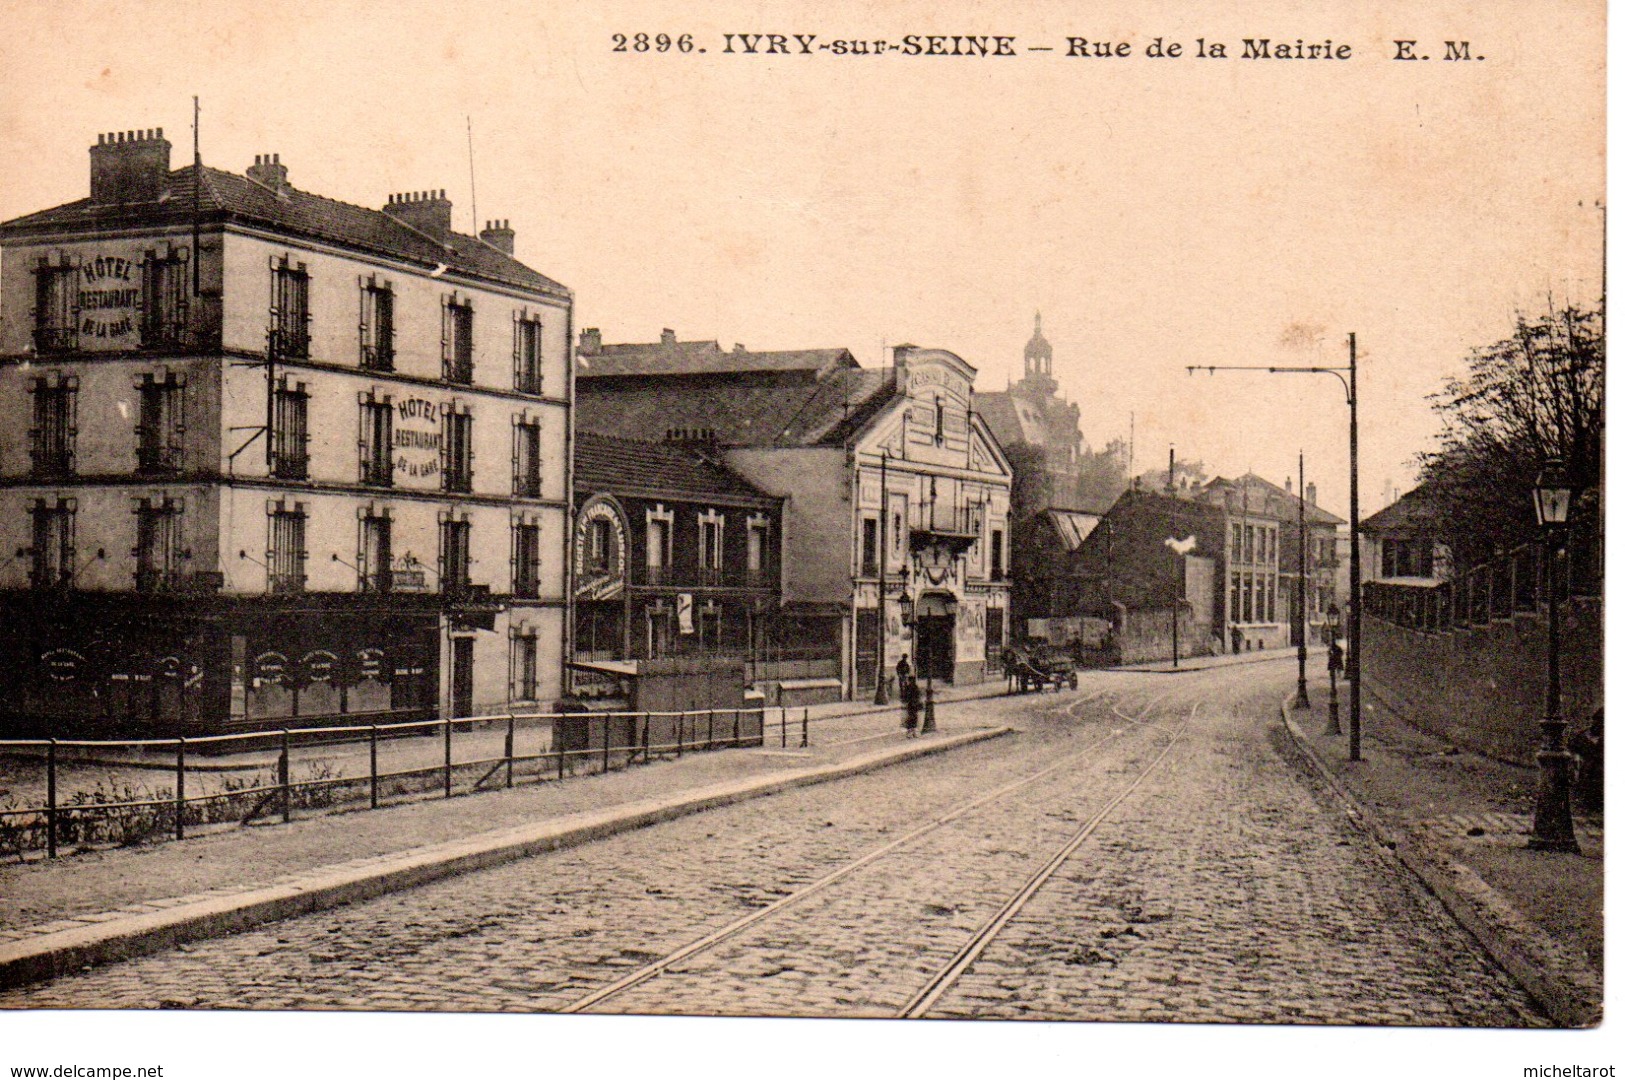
1228,886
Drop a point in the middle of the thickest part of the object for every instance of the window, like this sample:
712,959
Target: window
51,440
285,559
524,666
527,353
377,554
1235,598
157,544
657,545
995,634
457,341
710,524
1269,595
377,438
659,617
163,300
527,550
161,427
290,432
527,459
1235,542
996,556
53,551
871,539
454,560
457,468
290,310
56,308
756,535
598,550
1248,548
377,325
939,419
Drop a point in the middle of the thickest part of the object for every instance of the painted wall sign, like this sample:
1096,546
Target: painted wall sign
371,664
270,667
319,665
406,574
418,440
109,291
62,665
600,551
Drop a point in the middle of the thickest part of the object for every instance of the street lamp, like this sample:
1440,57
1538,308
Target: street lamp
1332,627
1302,700
1349,377
1554,825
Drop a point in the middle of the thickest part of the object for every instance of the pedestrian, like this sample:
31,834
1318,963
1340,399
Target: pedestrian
904,673
1334,660
909,689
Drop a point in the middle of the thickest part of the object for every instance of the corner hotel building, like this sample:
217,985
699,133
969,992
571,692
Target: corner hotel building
271,459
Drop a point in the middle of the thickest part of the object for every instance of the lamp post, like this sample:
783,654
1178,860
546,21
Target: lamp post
1302,701
1554,824
1332,616
1348,376
880,593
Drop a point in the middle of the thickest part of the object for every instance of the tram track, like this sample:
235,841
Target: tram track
710,941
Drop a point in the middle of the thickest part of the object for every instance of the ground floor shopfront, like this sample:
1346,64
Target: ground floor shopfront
949,635
88,666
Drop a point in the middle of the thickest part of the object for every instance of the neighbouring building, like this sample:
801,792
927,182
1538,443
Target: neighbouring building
675,555
1044,582
1403,540
274,458
1259,583
893,488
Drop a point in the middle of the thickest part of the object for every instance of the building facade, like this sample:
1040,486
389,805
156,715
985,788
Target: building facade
674,555
287,460
896,493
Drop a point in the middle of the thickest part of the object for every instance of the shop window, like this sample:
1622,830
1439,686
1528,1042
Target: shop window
161,427
377,325
290,310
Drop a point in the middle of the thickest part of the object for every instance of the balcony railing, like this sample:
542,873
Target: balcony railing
723,577
55,339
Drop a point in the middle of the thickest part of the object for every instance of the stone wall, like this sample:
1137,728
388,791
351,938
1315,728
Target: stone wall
1484,687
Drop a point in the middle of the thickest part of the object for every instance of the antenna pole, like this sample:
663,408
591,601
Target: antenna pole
473,200
197,187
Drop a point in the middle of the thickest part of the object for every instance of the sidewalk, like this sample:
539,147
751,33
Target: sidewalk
57,915
1204,663
1460,822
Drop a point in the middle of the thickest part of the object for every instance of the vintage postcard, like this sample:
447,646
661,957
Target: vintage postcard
964,512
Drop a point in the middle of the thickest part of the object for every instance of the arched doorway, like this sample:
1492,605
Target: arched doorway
934,637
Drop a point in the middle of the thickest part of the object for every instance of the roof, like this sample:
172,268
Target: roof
1413,512
1312,514
828,412
1073,526
604,464
235,198
703,358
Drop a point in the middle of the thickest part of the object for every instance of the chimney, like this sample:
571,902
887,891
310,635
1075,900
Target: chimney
426,211
1289,485
592,342
900,354
498,235
1309,494
738,349
129,167
269,170
668,336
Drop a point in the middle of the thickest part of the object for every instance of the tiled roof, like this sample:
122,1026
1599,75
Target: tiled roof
826,412
607,464
1073,526
1413,512
1312,514
237,198
703,358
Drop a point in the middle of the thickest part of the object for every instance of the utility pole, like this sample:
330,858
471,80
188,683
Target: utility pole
1302,701
880,593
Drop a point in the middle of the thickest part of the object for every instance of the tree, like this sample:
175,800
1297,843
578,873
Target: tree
1102,476
1536,395
1191,474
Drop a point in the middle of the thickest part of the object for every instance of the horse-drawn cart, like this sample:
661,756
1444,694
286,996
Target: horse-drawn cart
1039,666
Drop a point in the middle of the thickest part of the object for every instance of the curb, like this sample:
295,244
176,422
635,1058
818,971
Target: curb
1524,951
152,928
1140,670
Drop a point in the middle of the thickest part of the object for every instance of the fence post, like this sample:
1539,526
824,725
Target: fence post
558,747
180,788
710,729
507,749
803,727
784,725
682,722
646,738
448,756
372,754
607,727
736,729
50,800
282,769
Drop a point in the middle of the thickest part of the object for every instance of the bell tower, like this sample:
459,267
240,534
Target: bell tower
1038,378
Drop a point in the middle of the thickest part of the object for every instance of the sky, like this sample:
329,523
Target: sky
1159,212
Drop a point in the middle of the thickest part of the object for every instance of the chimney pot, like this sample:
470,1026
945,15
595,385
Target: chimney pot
160,133
668,336
592,341
128,167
